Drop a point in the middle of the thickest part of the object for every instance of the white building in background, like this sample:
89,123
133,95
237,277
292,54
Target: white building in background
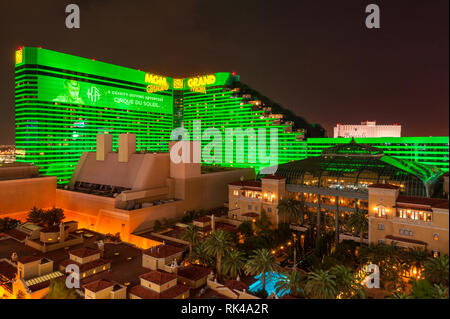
367,129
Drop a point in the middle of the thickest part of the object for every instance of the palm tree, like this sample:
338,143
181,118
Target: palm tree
191,235
233,263
358,221
346,284
218,245
291,208
58,290
291,282
321,284
262,262
436,270
200,255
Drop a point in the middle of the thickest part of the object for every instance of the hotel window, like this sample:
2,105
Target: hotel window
236,192
436,254
380,241
256,208
249,207
380,211
435,236
269,209
414,215
380,226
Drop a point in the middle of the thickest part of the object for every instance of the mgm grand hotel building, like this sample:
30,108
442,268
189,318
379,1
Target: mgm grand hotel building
63,101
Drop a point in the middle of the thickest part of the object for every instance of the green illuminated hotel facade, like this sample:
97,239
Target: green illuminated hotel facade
62,102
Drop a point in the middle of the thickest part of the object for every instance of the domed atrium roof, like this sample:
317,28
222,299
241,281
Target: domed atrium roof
355,166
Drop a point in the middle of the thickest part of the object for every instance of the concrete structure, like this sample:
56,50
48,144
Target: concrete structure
114,193
408,221
21,188
367,129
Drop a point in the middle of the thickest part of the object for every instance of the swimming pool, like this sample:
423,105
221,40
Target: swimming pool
270,284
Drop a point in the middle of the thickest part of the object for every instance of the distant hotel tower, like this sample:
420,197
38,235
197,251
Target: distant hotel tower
367,129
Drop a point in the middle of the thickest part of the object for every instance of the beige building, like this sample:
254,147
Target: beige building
88,260
367,129
246,199
408,221
104,289
162,257
26,277
159,285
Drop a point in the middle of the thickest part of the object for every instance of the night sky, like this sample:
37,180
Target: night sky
314,57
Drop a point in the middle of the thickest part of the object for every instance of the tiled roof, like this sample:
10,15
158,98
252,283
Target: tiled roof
28,259
98,285
386,186
84,252
146,293
193,272
158,277
423,201
86,266
255,184
406,240
163,251
17,234
7,270
236,285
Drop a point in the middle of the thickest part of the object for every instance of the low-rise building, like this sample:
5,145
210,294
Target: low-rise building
408,221
162,257
246,199
159,285
104,289
88,261
194,276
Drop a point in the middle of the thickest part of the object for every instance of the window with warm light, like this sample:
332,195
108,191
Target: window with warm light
380,211
435,236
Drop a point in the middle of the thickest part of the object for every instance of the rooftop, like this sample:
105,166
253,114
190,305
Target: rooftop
158,277
194,272
146,293
84,252
422,201
98,285
163,251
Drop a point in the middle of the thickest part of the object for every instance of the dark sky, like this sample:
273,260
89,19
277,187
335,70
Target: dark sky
314,57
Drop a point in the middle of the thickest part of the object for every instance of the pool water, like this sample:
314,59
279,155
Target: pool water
270,284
